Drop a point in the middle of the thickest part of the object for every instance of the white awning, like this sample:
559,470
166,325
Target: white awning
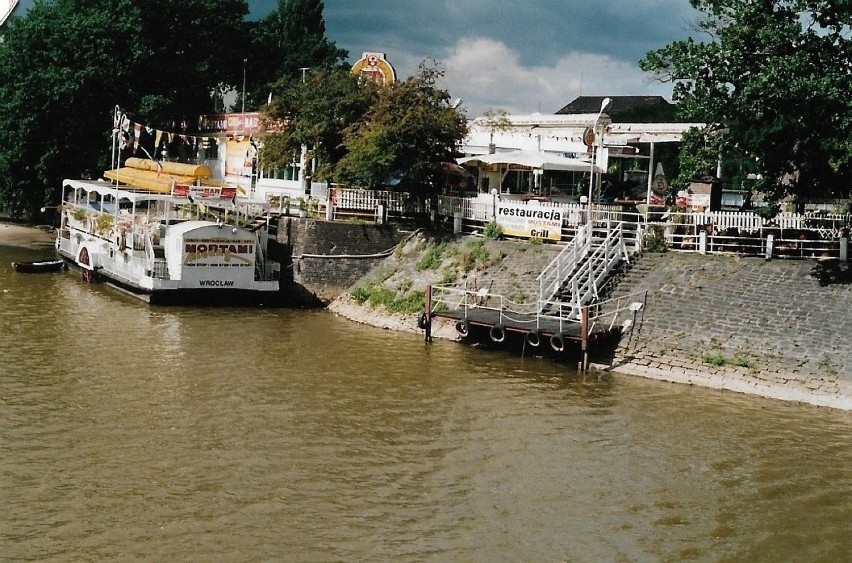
531,159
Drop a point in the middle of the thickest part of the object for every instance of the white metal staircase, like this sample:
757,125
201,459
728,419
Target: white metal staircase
574,277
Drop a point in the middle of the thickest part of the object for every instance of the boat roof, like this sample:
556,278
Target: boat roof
133,194
116,190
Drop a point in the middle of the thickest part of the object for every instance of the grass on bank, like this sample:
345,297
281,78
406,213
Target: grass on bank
449,262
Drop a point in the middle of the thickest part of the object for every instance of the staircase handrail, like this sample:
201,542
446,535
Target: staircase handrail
592,272
553,275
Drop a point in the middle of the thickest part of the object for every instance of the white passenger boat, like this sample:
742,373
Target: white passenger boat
166,233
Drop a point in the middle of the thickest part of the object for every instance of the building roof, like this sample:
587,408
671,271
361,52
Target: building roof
619,104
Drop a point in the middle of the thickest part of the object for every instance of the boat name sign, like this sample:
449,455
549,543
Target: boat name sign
218,252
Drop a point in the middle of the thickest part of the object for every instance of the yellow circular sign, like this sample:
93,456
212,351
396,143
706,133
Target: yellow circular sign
589,136
375,67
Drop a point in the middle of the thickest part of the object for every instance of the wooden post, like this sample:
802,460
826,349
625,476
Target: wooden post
428,332
584,335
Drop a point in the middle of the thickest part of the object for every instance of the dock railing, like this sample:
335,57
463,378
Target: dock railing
605,314
586,266
553,276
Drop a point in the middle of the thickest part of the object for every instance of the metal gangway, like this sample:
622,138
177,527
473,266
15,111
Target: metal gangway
568,307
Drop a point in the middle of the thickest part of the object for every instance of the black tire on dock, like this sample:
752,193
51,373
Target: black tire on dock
463,327
557,342
534,338
498,333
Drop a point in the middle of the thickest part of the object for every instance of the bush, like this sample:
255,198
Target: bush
492,230
655,240
378,296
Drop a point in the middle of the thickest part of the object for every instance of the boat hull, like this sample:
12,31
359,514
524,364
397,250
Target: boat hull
270,297
38,267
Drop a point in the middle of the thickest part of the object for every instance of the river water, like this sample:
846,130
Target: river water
129,431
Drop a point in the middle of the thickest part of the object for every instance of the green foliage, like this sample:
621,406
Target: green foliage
408,130
716,359
473,255
66,64
772,82
79,214
448,278
289,39
492,230
317,112
103,223
431,259
361,293
742,361
376,295
655,240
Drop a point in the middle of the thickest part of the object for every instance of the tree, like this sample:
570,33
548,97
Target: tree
285,42
68,63
315,113
404,136
772,81
495,121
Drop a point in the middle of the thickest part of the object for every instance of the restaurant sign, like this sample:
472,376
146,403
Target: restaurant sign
531,221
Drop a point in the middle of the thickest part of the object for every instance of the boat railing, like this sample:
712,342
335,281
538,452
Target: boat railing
160,269
266,271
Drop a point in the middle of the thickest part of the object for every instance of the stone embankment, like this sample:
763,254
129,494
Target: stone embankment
767,328
746,324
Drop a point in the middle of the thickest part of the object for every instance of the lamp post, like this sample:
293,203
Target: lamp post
604,104
245,62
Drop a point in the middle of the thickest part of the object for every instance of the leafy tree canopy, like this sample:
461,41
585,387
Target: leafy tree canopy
67,63
314,113
773,79
403,136
284,43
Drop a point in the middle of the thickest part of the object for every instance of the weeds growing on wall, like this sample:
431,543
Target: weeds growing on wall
431,259
655,240
492,230
375,295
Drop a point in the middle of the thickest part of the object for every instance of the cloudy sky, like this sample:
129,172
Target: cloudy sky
521,56
518,55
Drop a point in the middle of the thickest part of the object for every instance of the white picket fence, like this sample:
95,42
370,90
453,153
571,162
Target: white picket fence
794,234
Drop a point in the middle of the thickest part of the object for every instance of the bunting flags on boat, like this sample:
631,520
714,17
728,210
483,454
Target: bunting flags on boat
138,138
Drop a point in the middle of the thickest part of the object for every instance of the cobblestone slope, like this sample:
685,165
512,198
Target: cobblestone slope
749,323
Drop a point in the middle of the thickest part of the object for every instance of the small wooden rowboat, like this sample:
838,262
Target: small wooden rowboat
38,267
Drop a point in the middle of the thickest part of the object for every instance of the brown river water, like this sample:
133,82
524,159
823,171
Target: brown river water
129,431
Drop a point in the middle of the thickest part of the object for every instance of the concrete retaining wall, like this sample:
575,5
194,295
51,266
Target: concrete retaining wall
327,257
